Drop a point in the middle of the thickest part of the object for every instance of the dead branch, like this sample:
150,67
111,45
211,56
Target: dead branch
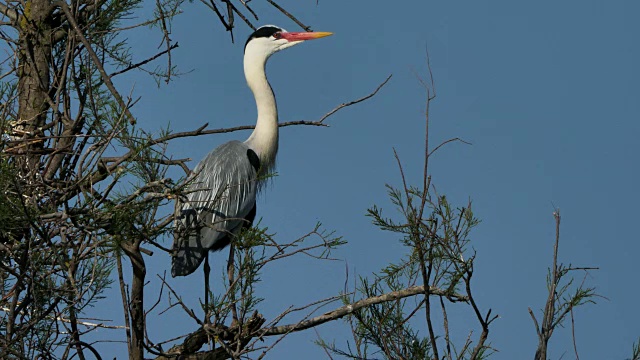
348,309
194,341
557,307
9,12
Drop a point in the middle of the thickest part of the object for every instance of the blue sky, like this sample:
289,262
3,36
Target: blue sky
546,92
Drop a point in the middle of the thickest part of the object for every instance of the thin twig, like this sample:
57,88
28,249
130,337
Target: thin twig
137,65
244,18
573,334
79,322
355,101
285,12
184,307
535,321
446,142
107,80
445,324
212,5
166,39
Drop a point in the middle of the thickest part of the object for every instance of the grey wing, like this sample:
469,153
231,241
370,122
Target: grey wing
221,199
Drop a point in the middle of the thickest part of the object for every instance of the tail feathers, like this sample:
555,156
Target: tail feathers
186,259
193,241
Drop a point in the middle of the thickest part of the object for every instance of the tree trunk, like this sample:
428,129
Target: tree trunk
136,298
34,62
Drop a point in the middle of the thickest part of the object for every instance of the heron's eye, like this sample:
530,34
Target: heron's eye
277,35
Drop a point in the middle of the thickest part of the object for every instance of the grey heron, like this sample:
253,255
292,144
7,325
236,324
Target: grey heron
221,199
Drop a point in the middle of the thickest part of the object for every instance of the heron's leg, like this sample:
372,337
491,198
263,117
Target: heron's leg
206,269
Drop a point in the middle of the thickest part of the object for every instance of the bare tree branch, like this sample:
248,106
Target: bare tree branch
8,12
348,309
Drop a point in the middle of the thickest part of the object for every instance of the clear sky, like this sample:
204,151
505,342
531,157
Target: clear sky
546,91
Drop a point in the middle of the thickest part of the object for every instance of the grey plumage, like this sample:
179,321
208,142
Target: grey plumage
221,200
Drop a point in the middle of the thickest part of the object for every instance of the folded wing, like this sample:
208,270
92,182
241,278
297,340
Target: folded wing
221,200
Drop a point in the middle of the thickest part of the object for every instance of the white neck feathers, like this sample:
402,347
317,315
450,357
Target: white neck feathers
264,138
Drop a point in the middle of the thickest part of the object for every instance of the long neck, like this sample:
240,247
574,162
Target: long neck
264,138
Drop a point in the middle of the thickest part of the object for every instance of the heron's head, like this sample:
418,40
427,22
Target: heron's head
269,39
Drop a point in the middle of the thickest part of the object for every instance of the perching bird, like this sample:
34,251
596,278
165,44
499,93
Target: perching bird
221,200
